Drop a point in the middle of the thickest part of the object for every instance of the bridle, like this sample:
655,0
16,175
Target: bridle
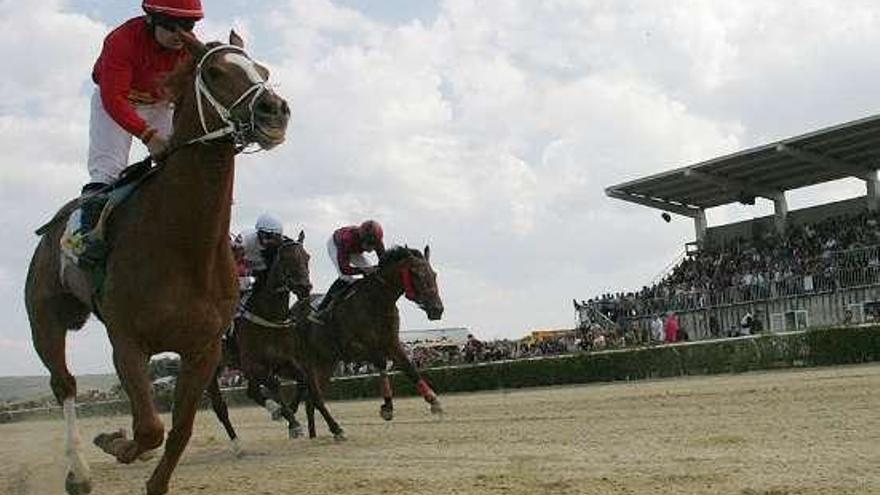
241,131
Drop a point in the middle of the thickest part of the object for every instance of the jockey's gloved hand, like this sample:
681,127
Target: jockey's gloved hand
156,145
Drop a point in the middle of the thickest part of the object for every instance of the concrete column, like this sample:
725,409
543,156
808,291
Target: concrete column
700,225
780,207
873,195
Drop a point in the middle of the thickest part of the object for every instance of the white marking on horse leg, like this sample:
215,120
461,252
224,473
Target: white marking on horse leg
73,443
237,450
274,409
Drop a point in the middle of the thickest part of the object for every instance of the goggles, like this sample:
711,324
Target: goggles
173,23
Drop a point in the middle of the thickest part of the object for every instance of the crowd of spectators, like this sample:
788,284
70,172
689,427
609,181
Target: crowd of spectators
831,253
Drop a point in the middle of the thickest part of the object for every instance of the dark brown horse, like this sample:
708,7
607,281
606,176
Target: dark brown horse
170,281
264,341
363,327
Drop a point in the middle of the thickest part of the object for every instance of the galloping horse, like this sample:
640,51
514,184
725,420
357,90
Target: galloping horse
363,327
170,281
264,338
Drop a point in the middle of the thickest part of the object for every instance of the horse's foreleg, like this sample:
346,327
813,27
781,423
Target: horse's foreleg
131,367
274,404
310,415
387,409
425,390
294,429
221,410
316,400
195,374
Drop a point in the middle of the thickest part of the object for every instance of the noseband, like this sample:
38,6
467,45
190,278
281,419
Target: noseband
241,131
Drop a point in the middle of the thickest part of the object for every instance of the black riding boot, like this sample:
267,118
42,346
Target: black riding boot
337,287
91,206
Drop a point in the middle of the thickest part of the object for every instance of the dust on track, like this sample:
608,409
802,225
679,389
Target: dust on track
778,433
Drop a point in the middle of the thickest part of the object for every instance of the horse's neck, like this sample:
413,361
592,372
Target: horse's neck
382,289
269,303
194,191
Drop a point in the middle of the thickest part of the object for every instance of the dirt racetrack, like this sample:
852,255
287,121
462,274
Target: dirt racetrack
789,432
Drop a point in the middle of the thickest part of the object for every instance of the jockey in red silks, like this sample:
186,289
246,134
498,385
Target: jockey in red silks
127,101
346,248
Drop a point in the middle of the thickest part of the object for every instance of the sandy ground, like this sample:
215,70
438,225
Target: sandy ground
779,433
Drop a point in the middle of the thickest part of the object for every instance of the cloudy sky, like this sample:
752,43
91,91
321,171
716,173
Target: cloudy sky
487,129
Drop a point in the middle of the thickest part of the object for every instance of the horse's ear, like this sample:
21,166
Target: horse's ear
235,39
427,253
192,44
302,236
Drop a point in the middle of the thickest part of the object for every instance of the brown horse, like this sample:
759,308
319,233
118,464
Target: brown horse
363,327
264,340
170,281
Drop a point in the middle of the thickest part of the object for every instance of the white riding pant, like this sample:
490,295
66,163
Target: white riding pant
110,144
358,260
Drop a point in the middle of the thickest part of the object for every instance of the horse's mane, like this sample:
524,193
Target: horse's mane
398,253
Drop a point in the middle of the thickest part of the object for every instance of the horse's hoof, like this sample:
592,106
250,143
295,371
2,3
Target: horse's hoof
147,455
104,440
154,488
295,432
237,450
386,413
74,487
436,408
126,451
339,436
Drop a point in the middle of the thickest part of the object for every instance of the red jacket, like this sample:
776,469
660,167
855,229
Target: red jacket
130,69
348,242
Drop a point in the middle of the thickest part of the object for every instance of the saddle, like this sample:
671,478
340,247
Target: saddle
89,250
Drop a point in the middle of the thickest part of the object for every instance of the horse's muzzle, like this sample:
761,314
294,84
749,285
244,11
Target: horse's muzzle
434,312
271,115
302,291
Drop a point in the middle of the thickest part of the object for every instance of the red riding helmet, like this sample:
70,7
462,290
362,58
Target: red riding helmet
181,9
371,231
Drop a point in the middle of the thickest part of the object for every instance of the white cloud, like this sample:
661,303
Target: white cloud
489,131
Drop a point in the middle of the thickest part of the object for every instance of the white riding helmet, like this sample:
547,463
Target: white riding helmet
269,224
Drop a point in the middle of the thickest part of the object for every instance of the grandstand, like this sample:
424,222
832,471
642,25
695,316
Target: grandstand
791,270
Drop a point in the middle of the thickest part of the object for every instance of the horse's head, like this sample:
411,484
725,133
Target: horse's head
418,278
290,271
232,96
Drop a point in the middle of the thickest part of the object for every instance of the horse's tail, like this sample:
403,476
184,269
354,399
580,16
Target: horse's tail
63,213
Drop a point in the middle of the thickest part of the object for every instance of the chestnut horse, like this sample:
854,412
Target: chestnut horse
363,327
170,281
263,342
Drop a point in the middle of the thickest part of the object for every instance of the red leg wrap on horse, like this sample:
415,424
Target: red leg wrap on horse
425,391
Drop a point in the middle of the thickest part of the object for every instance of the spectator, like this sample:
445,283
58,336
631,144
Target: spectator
671,328
745,324
657,333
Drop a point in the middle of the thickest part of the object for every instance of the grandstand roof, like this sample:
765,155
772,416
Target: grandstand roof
847,150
